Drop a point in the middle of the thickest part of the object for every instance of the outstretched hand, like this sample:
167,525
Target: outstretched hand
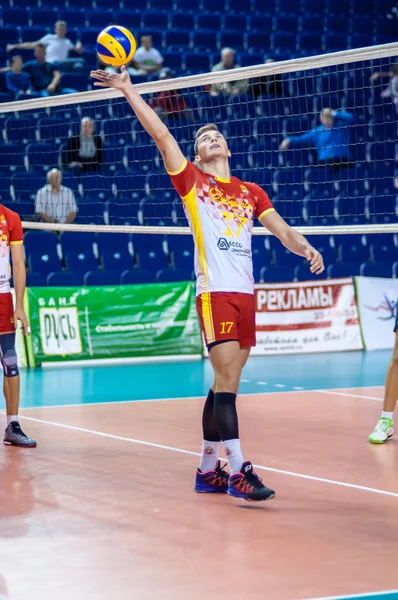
119,81
315,259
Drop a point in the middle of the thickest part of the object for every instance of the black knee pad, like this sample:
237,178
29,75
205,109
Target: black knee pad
8,355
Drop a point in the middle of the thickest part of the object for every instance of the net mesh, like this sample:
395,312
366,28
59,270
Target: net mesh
321,183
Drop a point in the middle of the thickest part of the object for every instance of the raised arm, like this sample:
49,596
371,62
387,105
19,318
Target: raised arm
298,139
172,156
23,45
293,240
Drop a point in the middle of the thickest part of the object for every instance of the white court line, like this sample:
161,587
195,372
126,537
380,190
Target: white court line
336,393
294,391
182,451
352,596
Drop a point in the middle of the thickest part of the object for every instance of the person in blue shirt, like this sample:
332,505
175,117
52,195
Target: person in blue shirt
16,79
45,76
331,139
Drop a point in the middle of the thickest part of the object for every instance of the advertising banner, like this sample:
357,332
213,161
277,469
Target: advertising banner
131,321
307,316
377,304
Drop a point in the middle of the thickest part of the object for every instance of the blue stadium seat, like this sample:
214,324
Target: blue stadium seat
91,212
287,7
81,261
42,156
309,23
209,21
65,279
35,280
97,186
259,23
238,130
361,40
282,256
355,253
334,42
352,210
256,41
310,41
287,41
335,24
249,59
166,5
156,211
343,269
5,182
53,129
137,276
44,262
302,273
182,20
228,39
236,6
117,261
203,40
382,151
96,111
159,182
191,6
101,278
141,157
176,39
143,242
155,20
130,184
19,130
124,211
173,275
113,157
214,108
15,16
97,18
172,59
8,35
181,249
75,241
152,260
116,131
44,242
75,81
196,61
243,106
277,274
115,242
75,18
208,6
382,209
376,269
26,185
383,252
233,22
11,157
43,17
263,156
268,128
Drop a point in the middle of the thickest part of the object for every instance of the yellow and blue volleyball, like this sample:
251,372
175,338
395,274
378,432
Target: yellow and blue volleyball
116,46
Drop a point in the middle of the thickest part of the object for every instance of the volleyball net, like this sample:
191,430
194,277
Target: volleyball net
334,180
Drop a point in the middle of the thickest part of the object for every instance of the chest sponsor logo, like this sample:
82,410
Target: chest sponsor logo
234,246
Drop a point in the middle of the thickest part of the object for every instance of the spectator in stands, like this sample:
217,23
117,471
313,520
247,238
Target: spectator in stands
54,202
330,139
391,91
147,59
58,47
46,77
84,151
270,85
229,88
16,79
171,103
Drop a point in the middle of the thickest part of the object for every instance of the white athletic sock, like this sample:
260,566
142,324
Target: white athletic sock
234,455
210,452
11,418
387,415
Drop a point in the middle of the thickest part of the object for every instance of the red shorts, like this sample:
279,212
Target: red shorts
227,316
6,313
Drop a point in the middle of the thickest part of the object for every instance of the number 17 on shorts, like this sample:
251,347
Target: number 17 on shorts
226,316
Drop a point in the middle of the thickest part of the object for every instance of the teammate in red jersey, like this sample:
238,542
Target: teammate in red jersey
11,236
220,210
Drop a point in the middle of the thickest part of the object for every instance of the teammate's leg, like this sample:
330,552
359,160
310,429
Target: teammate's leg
384,429
13,436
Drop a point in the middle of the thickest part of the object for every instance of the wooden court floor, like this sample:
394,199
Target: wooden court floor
104,508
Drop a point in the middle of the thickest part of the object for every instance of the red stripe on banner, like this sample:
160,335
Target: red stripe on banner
352,322
294,326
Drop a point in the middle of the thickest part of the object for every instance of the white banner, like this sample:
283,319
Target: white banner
377,304
307,316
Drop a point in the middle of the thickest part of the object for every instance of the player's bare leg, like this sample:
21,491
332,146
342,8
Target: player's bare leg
14,436
384,429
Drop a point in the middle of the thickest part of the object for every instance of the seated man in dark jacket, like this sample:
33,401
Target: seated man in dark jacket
84,151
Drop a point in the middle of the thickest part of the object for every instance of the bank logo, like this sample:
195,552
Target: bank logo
222,244
386,309
59,331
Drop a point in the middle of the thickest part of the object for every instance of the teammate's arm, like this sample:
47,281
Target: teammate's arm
172,156
293,240
19,276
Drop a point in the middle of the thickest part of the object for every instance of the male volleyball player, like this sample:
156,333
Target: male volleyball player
220,211
384,429
11,236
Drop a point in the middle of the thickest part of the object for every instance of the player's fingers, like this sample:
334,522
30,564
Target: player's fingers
97,84
123,68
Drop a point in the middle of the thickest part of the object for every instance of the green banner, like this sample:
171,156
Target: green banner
127,321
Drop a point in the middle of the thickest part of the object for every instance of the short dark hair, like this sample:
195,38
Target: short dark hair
40,45
208,127
14,57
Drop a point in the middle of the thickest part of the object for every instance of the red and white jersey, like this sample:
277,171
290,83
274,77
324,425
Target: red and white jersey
220,213
10,233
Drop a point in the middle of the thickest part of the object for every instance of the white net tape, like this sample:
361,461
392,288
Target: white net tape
122,186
